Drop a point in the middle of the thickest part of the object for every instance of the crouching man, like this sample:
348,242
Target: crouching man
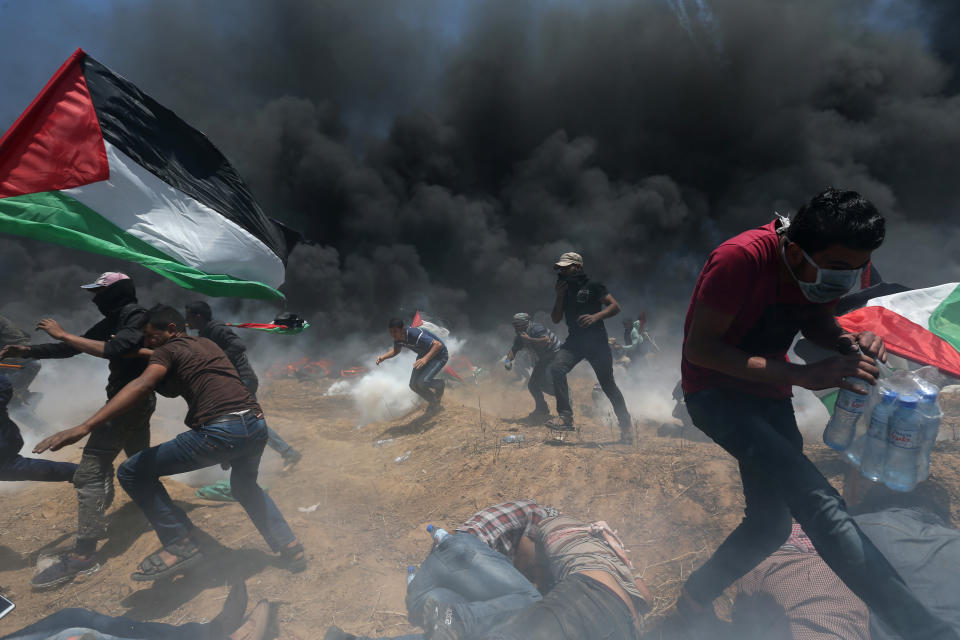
226,425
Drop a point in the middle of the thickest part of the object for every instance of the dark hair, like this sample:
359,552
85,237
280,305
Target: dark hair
162,316
836,217
396,323
199,308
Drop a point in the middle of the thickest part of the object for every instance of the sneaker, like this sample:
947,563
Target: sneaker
440,621
626,436
67,567
536,417
290,460
559,424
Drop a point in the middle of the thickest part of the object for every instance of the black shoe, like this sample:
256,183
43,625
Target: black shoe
559,424
440,621
626,436
536,417
67,567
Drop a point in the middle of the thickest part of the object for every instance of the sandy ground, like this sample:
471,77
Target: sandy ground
672,500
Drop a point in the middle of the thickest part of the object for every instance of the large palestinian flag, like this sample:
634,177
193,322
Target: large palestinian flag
921,325
95,164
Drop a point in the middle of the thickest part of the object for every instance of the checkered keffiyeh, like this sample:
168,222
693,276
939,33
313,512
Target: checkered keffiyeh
816,604
503,525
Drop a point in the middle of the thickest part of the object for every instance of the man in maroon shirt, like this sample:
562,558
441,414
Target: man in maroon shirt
756,291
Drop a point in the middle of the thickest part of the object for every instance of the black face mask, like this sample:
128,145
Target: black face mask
110,300
572,278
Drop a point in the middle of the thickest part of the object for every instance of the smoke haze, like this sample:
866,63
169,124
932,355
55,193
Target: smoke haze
441,155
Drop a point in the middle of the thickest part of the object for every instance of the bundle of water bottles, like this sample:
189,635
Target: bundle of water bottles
899,420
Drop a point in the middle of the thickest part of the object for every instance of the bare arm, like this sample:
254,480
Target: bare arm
435,348
705,348
821,327
610,308
125,399
393,353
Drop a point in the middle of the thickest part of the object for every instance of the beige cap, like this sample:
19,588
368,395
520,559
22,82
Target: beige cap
568,259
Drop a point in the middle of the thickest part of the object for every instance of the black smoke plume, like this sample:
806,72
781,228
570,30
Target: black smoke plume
442,155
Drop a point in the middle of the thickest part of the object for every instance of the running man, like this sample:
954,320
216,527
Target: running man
200,317
432,357
544,345
755,293
225,425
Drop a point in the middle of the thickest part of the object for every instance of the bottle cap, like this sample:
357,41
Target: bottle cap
411,569
928,396
908,401
431,528
888,395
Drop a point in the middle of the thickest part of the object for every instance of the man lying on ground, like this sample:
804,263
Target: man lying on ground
13,466
83,624
470,579
226,425
590,588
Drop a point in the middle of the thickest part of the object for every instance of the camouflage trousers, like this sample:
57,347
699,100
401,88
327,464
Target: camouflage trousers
129,432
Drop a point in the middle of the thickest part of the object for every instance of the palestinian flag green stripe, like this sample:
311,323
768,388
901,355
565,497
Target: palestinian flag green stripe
53,216
945,319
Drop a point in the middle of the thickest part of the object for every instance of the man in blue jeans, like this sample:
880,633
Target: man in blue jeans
13,466
432,357
200,317
755,293
226,425
469,580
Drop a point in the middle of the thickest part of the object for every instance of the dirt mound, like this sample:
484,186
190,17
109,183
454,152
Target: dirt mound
671,499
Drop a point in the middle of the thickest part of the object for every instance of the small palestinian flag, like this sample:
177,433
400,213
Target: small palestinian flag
280,329
95,164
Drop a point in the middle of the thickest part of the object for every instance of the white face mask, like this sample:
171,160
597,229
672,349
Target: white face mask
829,284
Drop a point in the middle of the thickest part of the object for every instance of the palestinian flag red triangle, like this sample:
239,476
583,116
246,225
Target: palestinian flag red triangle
96,164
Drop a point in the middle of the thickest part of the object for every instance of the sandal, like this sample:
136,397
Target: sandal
153,566
295,558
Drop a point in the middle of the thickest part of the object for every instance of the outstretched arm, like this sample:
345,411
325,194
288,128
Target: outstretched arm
393,353
125,400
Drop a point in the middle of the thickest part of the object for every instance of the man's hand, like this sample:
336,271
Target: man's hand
835,372
420,363
587,319
379,360
60,440
561,288
872,345
52,327
15,351
525,336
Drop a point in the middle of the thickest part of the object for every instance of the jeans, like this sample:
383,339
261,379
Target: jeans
121,628
480,583
597,352
239,442
539,378
577,608
780,482
93,480
274,441
422,380
36,469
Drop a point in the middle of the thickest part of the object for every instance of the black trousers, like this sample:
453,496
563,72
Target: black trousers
596,351
780,482
577,608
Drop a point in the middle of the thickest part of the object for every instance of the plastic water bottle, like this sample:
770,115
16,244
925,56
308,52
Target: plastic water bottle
875,442
439,535
903,445
402,458
411,573
846,412
931,415
507,364
383,443
514,438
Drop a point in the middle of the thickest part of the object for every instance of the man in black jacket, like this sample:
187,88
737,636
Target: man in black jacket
116,337
200,317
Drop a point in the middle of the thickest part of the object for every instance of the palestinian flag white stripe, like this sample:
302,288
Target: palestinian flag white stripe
916,305
139,203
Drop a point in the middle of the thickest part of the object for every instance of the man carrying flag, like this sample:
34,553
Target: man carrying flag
117,337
